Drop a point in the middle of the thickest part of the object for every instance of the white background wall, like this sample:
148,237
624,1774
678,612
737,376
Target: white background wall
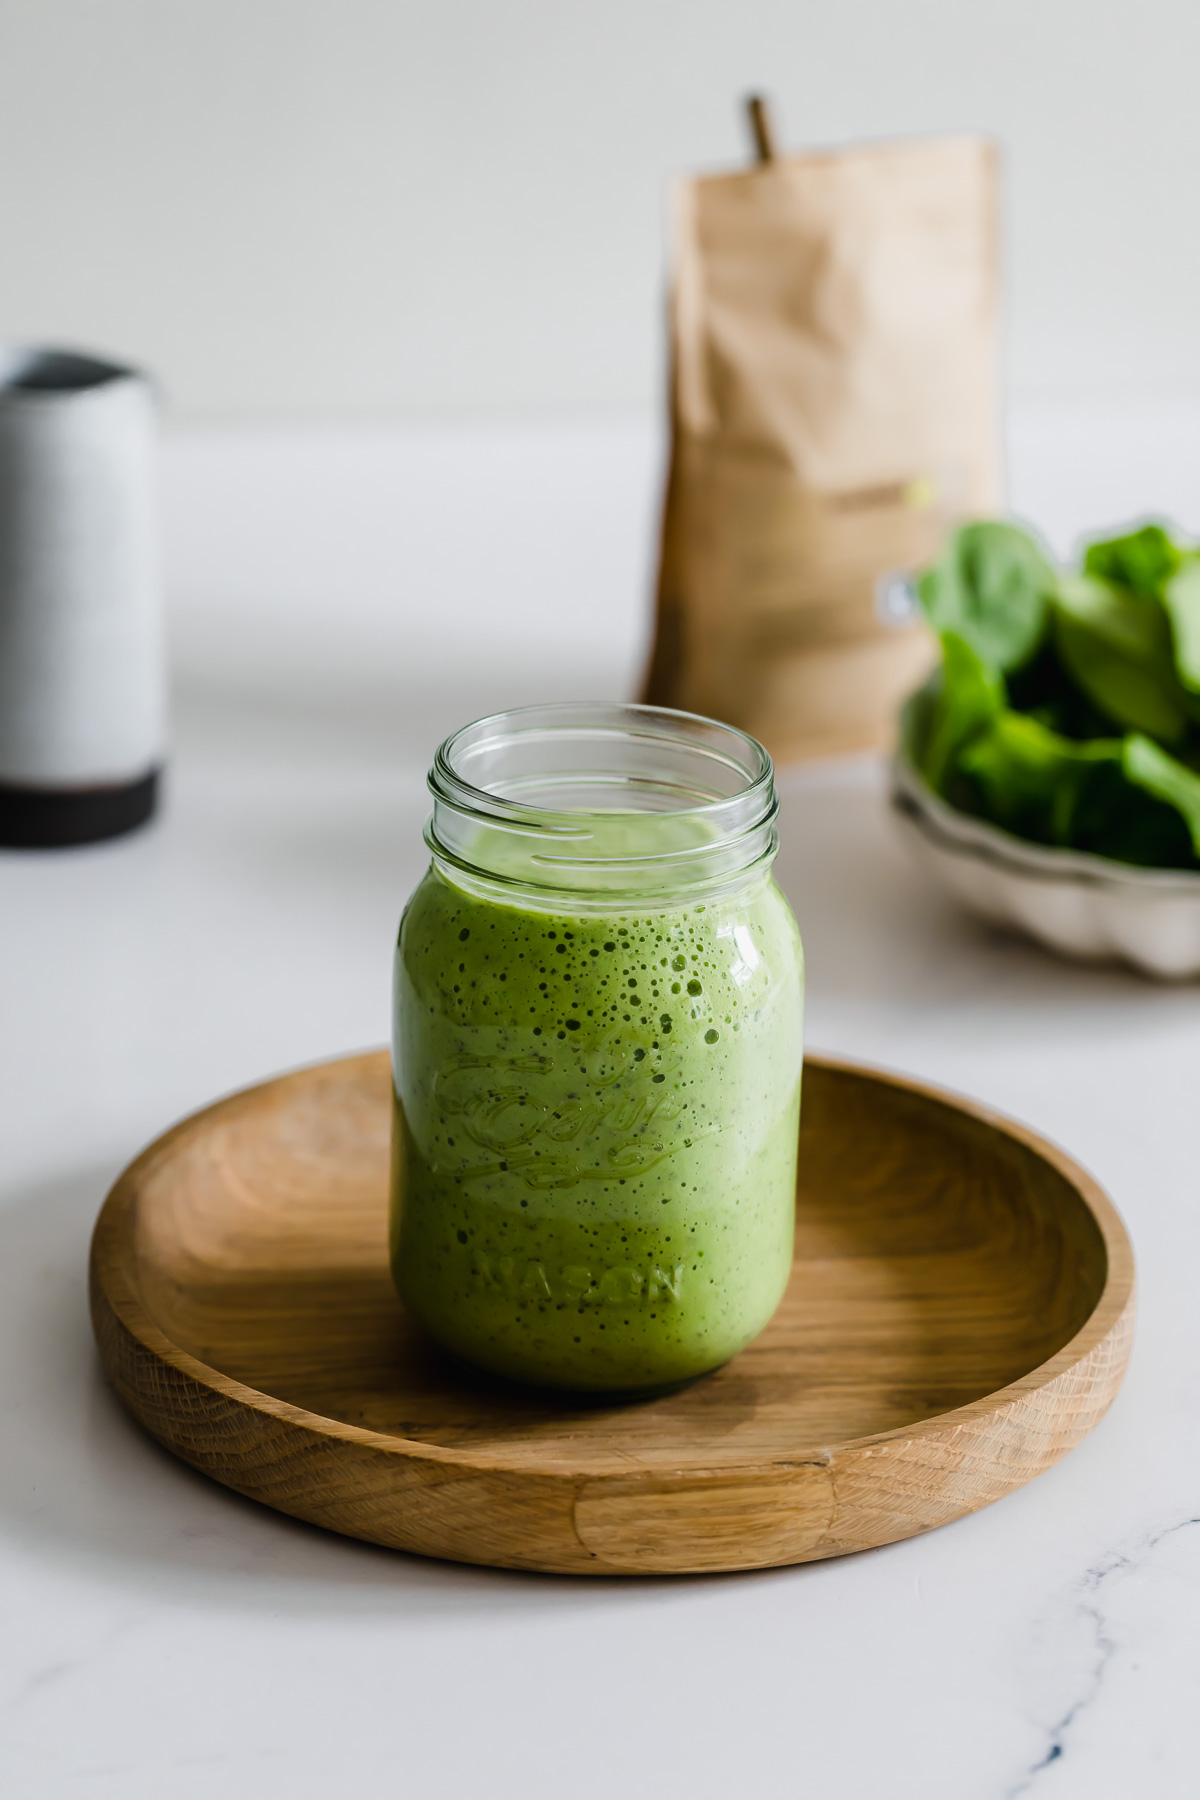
297,208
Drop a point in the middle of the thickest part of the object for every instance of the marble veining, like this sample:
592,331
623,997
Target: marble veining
1090,1610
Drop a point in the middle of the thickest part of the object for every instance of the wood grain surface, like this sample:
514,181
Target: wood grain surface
959,1316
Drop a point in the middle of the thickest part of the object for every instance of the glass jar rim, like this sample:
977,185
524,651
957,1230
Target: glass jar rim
602,798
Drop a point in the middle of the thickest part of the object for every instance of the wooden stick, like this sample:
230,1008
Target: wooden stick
760,125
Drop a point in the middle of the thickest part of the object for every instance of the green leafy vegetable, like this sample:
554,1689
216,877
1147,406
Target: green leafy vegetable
1032,780
970,697
1181,597
1161,775
1067,707
1117,647
1118,819
1142,561
991,587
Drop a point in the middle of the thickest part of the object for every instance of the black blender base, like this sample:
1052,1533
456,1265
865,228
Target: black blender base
53,818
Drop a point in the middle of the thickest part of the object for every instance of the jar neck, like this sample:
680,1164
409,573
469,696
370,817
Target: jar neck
602,807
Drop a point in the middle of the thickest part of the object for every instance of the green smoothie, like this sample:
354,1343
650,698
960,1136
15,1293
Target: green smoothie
595,1146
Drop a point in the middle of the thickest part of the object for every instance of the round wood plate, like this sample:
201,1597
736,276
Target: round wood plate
959,1317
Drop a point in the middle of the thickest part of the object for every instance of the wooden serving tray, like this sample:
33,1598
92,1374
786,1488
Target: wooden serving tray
959,1317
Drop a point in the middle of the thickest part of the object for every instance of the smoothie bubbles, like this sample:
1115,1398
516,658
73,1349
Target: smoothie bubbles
597,1050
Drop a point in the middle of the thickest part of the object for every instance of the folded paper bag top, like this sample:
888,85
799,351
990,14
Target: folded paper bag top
82,678
834,409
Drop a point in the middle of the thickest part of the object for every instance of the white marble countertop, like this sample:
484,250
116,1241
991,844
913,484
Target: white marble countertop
340,600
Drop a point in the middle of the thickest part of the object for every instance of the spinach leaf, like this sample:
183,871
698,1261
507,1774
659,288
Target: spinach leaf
1142,561
1181,597
992,586
969,698
1045,691
1117,647
1060,699
1151,768
1117,819
1030,780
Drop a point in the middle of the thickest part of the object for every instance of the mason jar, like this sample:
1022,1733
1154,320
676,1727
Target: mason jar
597,1050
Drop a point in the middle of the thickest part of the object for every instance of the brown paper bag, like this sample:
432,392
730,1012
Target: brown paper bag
834,409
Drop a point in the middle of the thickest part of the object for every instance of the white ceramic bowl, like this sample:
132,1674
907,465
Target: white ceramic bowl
1085,907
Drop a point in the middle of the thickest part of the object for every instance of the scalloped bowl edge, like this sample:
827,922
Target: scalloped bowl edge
1083,907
